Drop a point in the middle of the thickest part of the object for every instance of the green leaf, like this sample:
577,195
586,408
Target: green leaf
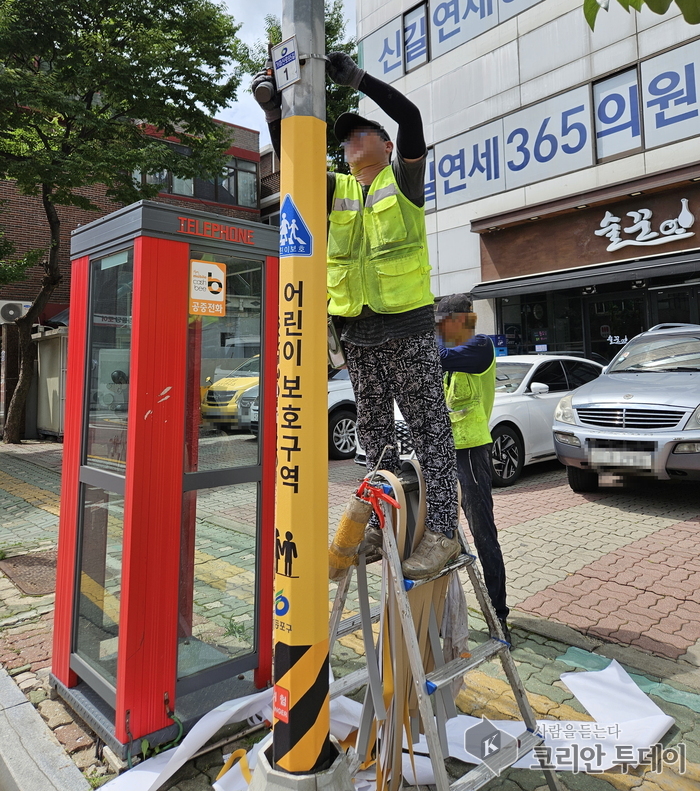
590,11
690,10
144,747
658,6
636,4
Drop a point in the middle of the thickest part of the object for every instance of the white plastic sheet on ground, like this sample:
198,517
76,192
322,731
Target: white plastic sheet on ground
623,713
151,774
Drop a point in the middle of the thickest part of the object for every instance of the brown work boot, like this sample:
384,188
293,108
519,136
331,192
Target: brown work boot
433,553
372,544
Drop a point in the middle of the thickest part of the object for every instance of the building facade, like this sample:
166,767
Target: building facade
563,181
235,194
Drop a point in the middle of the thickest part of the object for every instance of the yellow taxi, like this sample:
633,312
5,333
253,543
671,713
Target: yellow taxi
220,399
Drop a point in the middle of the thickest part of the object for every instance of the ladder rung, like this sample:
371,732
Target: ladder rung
496,763
354,622
462,561
351,682
458,667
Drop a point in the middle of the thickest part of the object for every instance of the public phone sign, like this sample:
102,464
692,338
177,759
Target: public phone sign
207,288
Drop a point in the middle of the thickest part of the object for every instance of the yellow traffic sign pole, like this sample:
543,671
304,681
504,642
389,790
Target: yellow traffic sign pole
301,703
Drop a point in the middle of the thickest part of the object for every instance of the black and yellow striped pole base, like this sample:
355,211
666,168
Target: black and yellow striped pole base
301,732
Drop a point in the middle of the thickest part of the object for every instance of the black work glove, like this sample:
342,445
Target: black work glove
272,105
343,70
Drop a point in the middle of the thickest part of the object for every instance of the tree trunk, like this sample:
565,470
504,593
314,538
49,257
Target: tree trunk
27,348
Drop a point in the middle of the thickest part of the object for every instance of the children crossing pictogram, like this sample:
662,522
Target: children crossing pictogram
295,237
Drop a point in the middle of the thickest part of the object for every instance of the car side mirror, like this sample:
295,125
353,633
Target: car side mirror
537,388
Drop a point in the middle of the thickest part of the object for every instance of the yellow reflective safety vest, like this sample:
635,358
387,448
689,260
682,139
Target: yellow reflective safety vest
470,400
377,249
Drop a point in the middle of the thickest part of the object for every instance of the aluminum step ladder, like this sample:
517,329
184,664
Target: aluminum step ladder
430,686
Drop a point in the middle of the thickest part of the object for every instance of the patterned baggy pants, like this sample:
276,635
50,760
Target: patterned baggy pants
408,370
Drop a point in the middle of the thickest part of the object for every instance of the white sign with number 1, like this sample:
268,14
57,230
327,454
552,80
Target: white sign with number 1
285,59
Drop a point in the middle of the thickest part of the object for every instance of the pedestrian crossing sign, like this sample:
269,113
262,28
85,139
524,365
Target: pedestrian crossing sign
295,237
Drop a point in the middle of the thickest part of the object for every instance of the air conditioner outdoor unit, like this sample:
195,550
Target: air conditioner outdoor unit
11,310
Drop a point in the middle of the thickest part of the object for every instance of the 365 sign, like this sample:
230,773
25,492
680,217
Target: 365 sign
544,141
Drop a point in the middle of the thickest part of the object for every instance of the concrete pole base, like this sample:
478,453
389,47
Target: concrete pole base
336,778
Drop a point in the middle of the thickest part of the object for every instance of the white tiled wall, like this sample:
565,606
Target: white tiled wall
546,50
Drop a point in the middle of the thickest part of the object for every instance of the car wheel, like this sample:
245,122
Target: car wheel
582,480
341,434
507,456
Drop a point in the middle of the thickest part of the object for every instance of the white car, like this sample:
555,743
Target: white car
342,415
528,389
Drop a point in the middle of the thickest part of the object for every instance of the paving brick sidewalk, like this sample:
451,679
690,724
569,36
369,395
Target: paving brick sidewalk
620,567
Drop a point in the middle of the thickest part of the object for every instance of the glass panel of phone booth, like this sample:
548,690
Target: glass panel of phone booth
224,369
111,289
99,582
217,595
218,558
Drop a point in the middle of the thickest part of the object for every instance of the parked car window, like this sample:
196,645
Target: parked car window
509,376
669,353
551,374
338,374
580,373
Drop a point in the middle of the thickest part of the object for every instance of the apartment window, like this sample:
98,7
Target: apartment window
247,183
237,185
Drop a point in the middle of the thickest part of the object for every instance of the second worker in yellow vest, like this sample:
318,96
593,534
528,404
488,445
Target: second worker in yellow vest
469,365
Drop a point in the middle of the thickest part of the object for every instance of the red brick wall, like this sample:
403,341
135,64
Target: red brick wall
270,185
24,222
269,164
246,138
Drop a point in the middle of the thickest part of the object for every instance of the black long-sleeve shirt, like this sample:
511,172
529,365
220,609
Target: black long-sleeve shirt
409,140
473,357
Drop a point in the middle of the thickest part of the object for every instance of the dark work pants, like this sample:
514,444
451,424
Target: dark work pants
408,370
474,471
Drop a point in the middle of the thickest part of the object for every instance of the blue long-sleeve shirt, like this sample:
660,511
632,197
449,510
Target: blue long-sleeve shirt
473,357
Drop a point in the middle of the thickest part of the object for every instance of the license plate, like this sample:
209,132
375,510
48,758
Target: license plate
620,458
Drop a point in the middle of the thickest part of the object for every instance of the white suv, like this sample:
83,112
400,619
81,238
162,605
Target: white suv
342,415
640,418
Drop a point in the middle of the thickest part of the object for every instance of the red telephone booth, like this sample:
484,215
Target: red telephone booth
166,540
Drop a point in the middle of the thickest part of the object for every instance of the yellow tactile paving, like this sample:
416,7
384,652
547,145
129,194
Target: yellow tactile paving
39,498
221,574
100,597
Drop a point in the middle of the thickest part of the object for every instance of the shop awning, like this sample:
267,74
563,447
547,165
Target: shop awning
635,269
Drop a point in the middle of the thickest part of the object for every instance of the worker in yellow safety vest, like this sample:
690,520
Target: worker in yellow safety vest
378,281
469,365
